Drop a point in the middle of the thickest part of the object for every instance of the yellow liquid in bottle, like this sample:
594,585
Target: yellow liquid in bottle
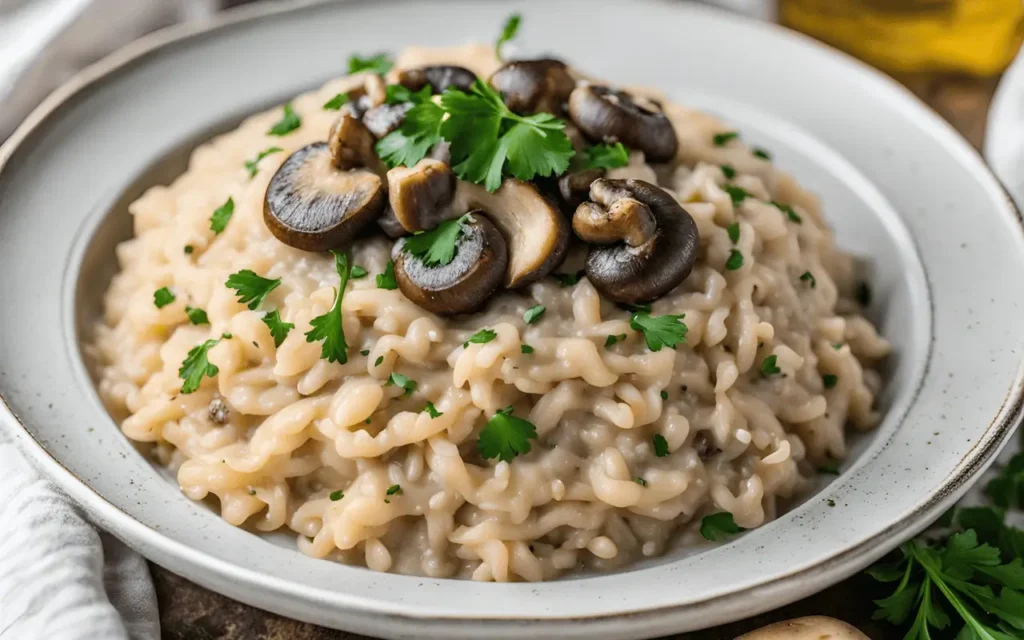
978,37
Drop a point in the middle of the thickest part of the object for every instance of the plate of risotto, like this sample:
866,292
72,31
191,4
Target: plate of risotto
425,320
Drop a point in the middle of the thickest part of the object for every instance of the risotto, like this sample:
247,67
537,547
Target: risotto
640,337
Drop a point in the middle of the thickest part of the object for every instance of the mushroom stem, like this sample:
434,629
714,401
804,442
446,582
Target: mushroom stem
627,220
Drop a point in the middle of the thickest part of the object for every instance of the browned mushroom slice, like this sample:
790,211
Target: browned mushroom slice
537,234
641,263
312,205
351,144
440,77
606,115
465,283
419,196
530,86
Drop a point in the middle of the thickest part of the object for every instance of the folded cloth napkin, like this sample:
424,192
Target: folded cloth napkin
59,578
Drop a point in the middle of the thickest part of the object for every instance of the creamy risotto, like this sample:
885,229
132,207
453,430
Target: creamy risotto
555,404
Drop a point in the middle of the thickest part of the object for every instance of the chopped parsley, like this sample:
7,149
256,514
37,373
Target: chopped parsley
664,395
660,445
807,276
252,166
337,495
568,279
162,297
328,327
379,64
196,316
829,380
734,232
863,294
719,526
762,153
393,490
788,210
735,260
222,215
605,156
378,361
357,272
525,348
289,122
659,331
432,411
337,102
505,436
189,249
197,365
437,246
534,313
769,366
829,468
482,336
736,194
728,171
402,382
640,481
278,328
508,32
611,340
721,139
387,280
251,289
364,352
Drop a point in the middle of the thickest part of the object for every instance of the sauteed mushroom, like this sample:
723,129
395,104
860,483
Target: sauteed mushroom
439,77
650,243
574,186
604,114
351,144
465,283
420,196
529,86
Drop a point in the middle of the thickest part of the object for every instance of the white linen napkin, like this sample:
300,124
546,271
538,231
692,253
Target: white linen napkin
59,578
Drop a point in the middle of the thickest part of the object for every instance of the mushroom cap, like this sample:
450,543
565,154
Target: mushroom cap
439,76
629,275
351,144
604,114
312,205
419,196
465,283
536,232
529,86
574,186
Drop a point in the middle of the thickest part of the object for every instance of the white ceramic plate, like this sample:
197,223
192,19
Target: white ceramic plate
901,188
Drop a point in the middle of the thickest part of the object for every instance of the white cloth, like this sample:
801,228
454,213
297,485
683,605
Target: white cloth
59,578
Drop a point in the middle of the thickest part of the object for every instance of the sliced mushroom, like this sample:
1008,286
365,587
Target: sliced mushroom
606,115
537,234
439,76
574,186
373,93
312,205
464,284
530,86
385,118
631,273
351,144
808,628
419,196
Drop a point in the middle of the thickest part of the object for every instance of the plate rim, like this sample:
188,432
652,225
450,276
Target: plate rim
796,584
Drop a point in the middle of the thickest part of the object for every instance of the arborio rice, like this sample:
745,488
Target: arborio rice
774,366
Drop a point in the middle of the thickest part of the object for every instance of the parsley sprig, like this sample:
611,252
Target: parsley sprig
197,365
506,436
328,328
290,121
251,288
659,331
437,246
379,63
278,328
508,32
253,166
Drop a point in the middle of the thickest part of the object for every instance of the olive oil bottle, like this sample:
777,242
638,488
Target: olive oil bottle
978,37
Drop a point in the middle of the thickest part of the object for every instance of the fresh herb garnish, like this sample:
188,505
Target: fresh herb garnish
829,380
664,395
378,361
734,232
189,249
525,348
395,489
605,156
387,280
357,272
788,210
721,139
328,327
568,279
251,288
221,216
508,32
735,260
719,526
728,171
437,246
807,276
197,365
737,194
863,294
289,122
402,382
763,154
278,328
482,336
252,166
659,331
640,481
1006,489
162,297
364,352
830,468
612,339
337,102
506,436
411,142
769,366
534,313
660,445
337,495
379,64
398,94
432,411
196,316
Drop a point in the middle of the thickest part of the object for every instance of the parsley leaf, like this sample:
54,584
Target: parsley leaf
534,313
788,210
734,232
379,64
252,166
337,102
289,122
252,289
401,381
395,489
336,495
660,445
659,331
196,316
328,327
432,411
397,94
437,246
508,32
737,194
278,328
728,171
568,279
719,526
605,156
189,249
506,436
769,366
410,142
829,380
387,280
762,153
807,276
358,272
721,139
735,260
222,215
197,366
162,297
483,336
611,340
525,348
1006,489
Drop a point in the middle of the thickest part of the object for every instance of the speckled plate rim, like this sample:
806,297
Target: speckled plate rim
730,606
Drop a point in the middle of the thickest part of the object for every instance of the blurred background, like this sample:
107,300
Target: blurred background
44,42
